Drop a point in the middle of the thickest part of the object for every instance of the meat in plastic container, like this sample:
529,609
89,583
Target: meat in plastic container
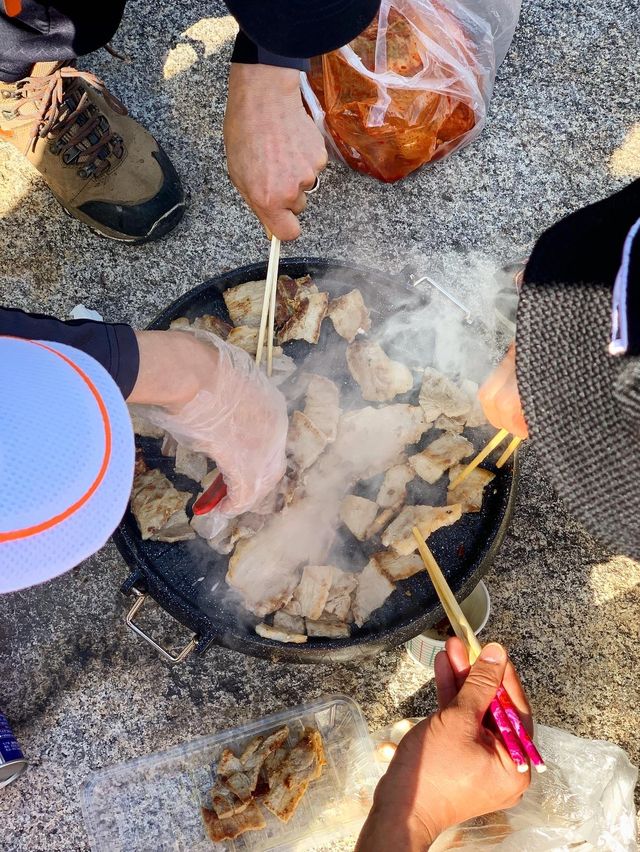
153,803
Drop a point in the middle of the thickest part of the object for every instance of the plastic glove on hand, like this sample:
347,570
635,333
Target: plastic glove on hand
237,417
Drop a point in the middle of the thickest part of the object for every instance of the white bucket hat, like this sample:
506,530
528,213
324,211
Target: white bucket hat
66,459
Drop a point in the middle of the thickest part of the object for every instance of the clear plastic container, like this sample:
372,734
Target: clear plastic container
152,804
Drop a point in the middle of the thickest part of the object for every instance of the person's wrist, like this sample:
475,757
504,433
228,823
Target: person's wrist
174,366
409,832
268,78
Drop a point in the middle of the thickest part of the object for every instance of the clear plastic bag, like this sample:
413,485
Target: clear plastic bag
414,86
584,801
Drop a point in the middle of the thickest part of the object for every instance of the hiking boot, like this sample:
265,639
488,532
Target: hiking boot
103,167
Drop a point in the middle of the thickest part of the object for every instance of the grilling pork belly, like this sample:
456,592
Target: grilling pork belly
399,536
191,464
393,490
380,378
470,492
311,593
395,567
279,634
439,395
279,549
244,303
357,514
349,315
322,405
305,441
306,321
371,440
339,599
264,569
372,591
445,451
159,508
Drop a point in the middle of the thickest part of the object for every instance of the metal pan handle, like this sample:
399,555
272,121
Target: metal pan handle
166,656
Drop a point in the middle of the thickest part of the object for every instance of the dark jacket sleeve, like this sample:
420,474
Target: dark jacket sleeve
113,345
249,53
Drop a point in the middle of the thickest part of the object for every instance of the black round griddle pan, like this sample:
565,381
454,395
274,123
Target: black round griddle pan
187,578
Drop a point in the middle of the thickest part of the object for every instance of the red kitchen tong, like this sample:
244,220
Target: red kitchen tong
211,497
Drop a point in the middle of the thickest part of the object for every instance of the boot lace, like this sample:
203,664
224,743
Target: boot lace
74,127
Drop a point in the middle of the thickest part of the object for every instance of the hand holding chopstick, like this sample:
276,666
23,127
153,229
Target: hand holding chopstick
497,439
506,716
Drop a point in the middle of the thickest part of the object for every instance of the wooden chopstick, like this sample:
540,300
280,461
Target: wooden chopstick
513,446
498,438
502,708
275,247
272,304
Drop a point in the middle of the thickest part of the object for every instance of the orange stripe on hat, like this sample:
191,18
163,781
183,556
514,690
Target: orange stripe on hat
13,7
14,535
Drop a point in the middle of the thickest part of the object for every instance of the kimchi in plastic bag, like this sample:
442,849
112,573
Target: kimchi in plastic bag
414,86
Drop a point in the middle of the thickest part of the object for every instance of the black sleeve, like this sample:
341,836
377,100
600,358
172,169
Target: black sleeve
249,53
112,345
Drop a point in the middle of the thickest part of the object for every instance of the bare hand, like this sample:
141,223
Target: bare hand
450,767
274,149
500,397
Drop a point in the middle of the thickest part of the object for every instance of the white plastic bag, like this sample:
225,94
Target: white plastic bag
414,86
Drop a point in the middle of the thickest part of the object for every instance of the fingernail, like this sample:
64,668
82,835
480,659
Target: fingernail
493,653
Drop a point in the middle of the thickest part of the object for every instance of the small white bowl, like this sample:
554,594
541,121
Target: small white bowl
477,607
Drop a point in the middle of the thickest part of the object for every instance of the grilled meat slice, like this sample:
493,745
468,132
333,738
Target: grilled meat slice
177,528
322,405
191,464
339,599
373,590
154,502
371,440
393,490
445,451
428,519
305,442
279,635
396,567
250,819
475,416
313,590
349,315
225,803
380,378
439,395
289,623
357,514
244,303
470,492
212,323
290,781
450,424
306,321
